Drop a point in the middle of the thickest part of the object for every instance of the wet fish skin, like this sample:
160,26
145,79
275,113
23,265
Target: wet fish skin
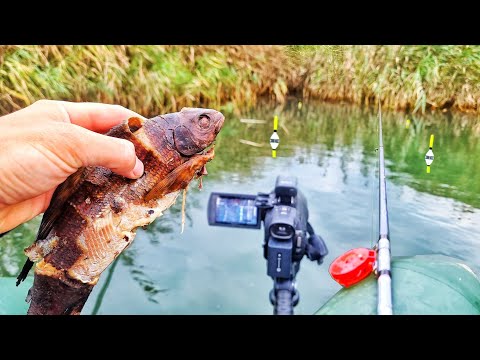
94,214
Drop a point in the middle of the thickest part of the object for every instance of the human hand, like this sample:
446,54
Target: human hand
44,143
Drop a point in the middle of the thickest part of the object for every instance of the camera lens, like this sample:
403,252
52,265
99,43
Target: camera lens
282,231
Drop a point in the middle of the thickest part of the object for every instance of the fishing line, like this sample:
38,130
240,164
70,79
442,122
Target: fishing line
372,205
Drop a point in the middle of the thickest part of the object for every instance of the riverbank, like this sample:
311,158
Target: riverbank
155,79
411,78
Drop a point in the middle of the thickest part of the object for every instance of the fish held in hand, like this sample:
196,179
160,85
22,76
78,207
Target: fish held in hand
94,214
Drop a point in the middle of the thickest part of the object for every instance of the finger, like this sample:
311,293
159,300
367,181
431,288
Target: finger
100,150
13,215
96,116
93,116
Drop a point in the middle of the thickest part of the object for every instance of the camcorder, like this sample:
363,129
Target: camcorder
288,234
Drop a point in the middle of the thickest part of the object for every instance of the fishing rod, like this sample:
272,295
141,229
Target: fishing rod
384,305
357,264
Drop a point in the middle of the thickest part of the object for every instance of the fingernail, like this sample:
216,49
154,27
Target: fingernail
138,169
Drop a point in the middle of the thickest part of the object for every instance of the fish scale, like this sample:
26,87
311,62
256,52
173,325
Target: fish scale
94,214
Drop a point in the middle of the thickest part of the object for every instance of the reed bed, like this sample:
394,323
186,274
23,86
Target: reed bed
153,79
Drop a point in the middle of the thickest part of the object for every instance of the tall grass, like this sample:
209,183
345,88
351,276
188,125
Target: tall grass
147,79
153,79
413,78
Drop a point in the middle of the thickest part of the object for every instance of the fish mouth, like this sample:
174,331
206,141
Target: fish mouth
208,151
204,156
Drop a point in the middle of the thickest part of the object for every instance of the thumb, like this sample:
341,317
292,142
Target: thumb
100,150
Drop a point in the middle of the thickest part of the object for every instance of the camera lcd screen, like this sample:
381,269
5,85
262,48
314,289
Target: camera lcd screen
231,210
236,211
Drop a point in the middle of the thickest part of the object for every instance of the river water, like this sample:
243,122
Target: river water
332,151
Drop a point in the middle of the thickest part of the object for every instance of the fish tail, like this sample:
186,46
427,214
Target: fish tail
50,295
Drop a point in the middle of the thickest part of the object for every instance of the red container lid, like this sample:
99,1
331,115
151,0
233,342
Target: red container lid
353,266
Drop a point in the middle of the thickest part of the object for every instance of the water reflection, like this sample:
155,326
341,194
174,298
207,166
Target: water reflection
457,145
12,244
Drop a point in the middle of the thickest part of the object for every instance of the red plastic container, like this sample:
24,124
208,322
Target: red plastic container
353,266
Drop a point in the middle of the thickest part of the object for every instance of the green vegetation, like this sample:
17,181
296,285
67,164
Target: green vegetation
154,79
405,77
147,79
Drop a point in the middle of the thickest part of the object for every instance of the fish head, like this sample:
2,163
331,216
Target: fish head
190,133
196,129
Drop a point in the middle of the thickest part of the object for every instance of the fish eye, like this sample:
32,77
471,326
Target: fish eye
204,120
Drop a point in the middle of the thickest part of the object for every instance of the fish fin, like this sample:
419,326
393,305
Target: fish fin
5,233
60,196
173,181
135,123
25,270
